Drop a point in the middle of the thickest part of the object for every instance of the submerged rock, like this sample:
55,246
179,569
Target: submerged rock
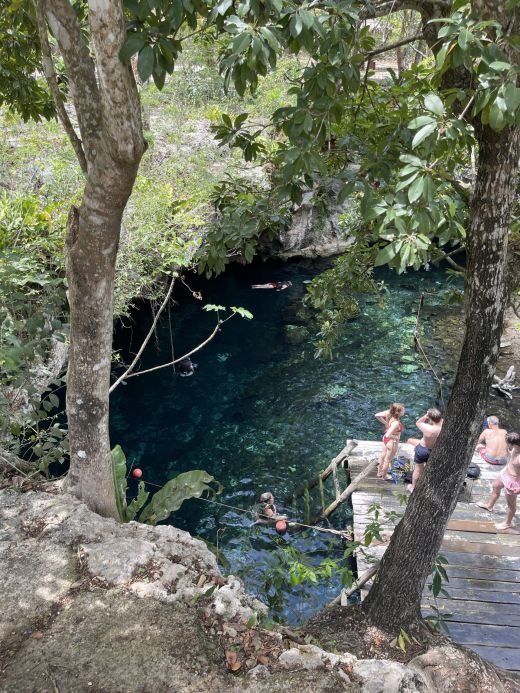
296,334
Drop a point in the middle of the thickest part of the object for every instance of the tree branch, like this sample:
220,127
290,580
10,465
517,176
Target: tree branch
397,44
380,9
52,81
146,339
181,358
65,28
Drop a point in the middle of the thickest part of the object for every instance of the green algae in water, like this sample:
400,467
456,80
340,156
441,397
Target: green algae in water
263,414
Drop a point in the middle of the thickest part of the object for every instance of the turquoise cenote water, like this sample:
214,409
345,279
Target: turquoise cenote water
262,413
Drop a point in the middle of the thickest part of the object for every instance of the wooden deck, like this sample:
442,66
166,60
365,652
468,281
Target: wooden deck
484,563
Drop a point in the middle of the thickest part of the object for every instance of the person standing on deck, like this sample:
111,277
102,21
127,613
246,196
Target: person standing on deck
391,420
430,426
492,445
509,480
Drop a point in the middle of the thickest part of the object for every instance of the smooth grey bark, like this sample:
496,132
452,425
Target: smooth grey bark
395,597
109,118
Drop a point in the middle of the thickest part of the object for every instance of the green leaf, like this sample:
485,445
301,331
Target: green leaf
496,118
241,43
145,63
132,45
384,256
423,133
119,476
137,503
429,189
416,188
252,620
420,121
295,25
500,66
173,494
242,312
213,308
434,104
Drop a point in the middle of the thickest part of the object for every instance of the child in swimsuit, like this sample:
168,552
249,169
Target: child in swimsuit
509,480
391,419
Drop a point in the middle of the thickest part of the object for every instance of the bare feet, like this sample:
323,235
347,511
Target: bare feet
484,507
504,525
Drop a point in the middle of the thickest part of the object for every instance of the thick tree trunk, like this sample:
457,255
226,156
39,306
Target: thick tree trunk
109,118
93,239
395,598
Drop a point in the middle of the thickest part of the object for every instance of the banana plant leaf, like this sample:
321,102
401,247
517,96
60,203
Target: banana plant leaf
120,485
137,503
173,494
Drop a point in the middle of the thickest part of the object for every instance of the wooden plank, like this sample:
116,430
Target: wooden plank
482,584
477,526
480,573
503,657
480,548
478,595
469,559
472,612
478,634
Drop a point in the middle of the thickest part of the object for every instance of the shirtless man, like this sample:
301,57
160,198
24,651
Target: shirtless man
509,480
430,426
492,444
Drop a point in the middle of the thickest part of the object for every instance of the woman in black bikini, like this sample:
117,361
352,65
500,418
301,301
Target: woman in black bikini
391,419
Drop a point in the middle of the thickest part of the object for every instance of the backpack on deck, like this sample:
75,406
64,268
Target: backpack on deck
473,471
400,469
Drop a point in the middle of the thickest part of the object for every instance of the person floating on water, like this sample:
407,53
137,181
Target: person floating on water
186,367
430,426
509,480
267,507
267,514
278,286
391,420
492,445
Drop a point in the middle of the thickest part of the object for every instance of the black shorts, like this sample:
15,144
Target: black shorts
421,454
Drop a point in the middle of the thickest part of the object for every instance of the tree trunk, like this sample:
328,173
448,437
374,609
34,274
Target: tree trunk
93,239
395,598
109,118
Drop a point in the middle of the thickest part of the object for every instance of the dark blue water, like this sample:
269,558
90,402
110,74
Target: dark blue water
261,412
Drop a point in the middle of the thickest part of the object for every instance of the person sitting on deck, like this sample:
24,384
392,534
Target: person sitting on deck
509,480
492,445
391,419
430,426
279,286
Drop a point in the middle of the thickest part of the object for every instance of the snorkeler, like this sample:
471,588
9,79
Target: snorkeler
278,286
186,367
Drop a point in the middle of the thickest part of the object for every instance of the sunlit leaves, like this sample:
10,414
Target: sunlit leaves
479,47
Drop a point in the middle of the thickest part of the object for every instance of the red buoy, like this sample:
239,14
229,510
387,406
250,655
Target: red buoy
281,526
137,473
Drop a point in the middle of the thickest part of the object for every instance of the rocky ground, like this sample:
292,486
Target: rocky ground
92,605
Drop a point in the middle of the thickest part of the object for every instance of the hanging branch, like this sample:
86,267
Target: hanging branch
181,358
146,339
52,82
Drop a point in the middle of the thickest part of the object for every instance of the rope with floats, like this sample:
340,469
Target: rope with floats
291,523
